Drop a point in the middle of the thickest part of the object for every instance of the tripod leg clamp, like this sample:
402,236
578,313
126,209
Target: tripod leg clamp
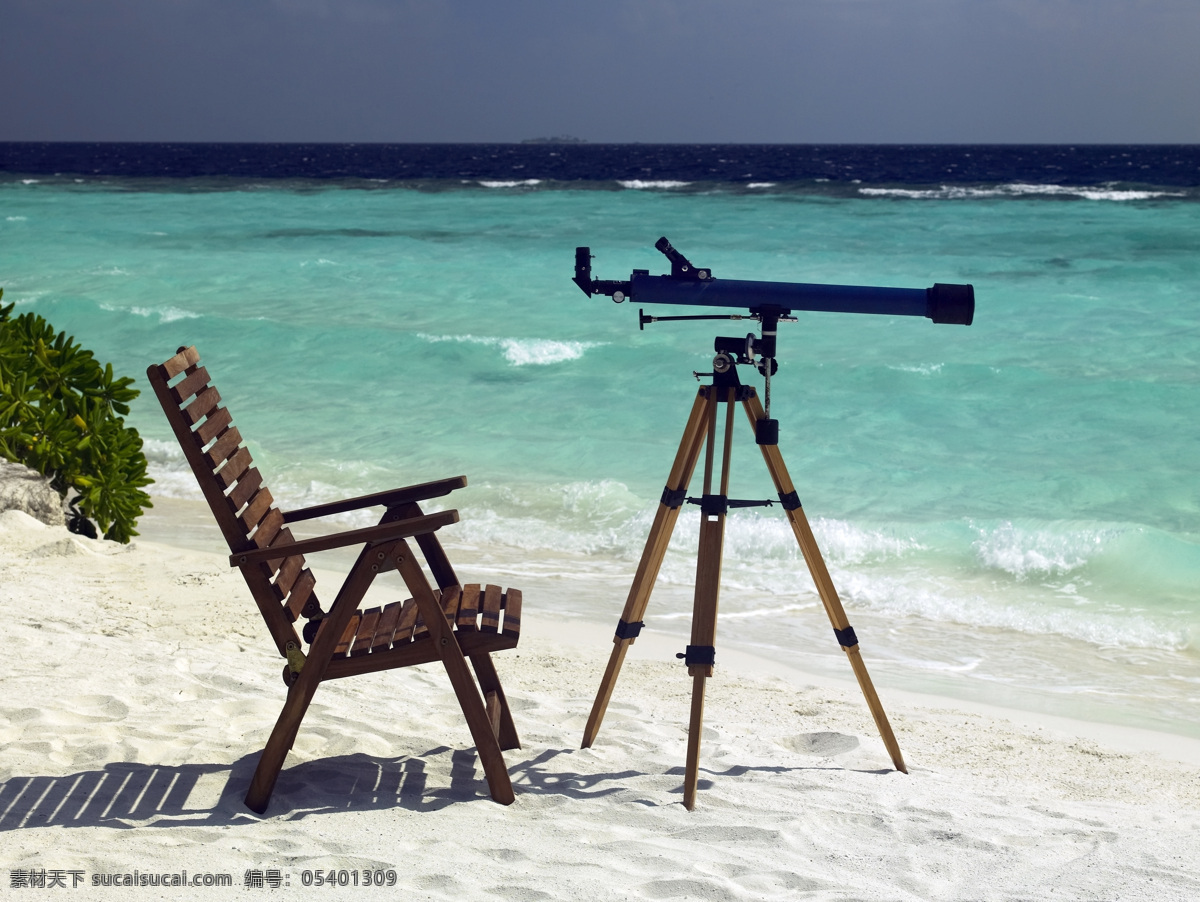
673,498
846,637
629,630
699,656
711,505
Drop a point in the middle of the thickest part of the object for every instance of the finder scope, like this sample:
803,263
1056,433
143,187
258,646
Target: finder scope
689,285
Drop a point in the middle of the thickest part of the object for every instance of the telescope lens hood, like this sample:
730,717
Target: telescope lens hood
954,304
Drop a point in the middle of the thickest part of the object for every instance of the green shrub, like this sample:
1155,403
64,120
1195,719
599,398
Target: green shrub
59,415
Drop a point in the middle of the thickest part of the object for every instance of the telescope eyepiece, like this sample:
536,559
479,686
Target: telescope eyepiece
583,269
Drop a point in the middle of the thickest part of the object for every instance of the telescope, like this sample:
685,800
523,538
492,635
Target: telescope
689,285
769,303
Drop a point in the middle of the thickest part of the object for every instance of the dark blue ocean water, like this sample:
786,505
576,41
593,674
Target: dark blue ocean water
834,166
1010,510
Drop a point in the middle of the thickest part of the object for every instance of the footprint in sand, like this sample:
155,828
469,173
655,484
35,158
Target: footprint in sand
825,745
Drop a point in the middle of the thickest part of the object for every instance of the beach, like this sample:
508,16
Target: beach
144,687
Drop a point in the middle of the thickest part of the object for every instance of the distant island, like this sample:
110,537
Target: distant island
559,139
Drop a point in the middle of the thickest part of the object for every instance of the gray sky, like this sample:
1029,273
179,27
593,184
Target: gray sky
1120,71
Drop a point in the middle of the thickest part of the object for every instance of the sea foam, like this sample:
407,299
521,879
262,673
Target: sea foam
167,314
1032,552
523,351
647,184
968,192
509,183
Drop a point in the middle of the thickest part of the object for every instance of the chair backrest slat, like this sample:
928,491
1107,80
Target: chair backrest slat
244,490
268,528
281,540
205,403
302,594
214,424
243,507
233,468
195,381
255,510
223,448
285,578
181,361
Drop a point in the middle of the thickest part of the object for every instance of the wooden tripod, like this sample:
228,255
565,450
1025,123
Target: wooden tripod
700,431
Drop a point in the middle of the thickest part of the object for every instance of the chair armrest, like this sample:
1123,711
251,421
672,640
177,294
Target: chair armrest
405,495
370,535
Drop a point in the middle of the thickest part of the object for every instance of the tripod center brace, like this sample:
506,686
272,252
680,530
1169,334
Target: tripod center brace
690,285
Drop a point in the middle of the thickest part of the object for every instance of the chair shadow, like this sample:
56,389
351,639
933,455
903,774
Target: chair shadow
534,776
124,795
120,795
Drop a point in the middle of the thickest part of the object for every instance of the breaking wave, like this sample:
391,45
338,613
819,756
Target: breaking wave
1019,189
523,351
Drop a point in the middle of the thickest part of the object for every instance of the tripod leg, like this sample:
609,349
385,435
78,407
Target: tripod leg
651,560
695,728
825,588
702,651
704,634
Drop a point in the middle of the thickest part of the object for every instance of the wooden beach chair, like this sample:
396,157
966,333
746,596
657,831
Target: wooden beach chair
450,623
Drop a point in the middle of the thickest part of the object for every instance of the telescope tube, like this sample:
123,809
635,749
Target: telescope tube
942,303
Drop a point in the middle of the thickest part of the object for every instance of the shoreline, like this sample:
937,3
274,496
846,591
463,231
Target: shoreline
146,687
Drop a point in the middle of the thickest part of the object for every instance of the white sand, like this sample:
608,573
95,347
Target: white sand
138,692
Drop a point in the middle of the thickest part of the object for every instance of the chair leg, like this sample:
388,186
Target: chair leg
301,693
270,762
441,633
486,742
489,683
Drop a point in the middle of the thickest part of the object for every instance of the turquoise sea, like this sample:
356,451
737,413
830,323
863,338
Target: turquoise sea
1010,510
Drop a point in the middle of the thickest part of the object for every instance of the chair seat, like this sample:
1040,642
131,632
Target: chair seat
486,619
